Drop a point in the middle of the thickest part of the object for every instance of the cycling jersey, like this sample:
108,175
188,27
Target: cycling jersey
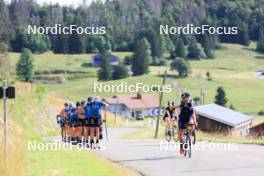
186,111
87,111
171,112
80,112
65,112
96,108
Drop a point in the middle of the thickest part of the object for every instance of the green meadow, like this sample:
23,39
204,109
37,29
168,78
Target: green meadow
234,68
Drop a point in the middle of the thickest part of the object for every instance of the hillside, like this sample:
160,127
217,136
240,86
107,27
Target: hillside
235,68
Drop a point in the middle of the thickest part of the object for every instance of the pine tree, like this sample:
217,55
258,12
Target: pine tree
244,37
180,49
141,58
119,72
24,67
193,50
220,97
4,59
260,44
182,66
208,46
105,71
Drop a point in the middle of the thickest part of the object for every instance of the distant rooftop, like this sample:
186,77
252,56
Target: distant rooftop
222,114
140,101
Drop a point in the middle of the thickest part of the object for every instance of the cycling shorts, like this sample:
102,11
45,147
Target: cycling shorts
183,121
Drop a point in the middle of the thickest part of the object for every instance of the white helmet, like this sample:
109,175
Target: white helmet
96,98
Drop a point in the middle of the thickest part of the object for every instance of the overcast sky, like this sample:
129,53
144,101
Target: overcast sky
62,2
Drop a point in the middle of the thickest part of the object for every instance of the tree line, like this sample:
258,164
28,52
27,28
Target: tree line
134,26
127,22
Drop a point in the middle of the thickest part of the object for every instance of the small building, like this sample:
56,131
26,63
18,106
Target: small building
257,130
97,60
132,104
218,119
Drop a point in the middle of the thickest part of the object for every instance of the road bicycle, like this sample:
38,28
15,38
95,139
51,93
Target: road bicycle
171,133
189,140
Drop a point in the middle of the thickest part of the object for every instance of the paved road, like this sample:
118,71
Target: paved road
147,158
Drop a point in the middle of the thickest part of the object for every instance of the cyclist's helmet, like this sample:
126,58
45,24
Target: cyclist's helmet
185,95
78,104
170,103
97,98
89,99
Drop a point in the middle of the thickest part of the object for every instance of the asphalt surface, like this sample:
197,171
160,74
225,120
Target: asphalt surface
148,158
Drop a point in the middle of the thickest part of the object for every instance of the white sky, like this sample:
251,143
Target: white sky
61,2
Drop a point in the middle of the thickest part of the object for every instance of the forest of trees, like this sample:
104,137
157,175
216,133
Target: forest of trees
129,21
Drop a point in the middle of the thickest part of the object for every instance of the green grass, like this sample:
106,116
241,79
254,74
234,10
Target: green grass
31,117
71,163
146,132
234,68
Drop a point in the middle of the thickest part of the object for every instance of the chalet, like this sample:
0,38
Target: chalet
218,119
134,104
97,60
257,130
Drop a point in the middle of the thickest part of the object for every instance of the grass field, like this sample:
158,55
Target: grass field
31,116
73,163
33,113
234,68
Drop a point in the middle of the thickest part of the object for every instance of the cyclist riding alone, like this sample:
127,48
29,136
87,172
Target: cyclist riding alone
186,117
169,116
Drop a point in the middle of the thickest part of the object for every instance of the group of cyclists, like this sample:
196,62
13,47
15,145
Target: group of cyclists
82,123
187,117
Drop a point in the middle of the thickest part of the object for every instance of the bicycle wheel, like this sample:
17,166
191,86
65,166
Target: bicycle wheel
193,137
187,144
168,134
175,133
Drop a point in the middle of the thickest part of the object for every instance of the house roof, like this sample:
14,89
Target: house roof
222,114
98,58
136,102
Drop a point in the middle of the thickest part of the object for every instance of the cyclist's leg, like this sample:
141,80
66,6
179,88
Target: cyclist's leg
92,130
181,125
86,131
98,125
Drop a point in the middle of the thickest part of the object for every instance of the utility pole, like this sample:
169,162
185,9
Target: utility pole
5,118
160,104
202,96
6,93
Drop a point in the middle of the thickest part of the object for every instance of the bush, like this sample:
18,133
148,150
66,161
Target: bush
182,66
162,62
261,113
127,60
119,72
